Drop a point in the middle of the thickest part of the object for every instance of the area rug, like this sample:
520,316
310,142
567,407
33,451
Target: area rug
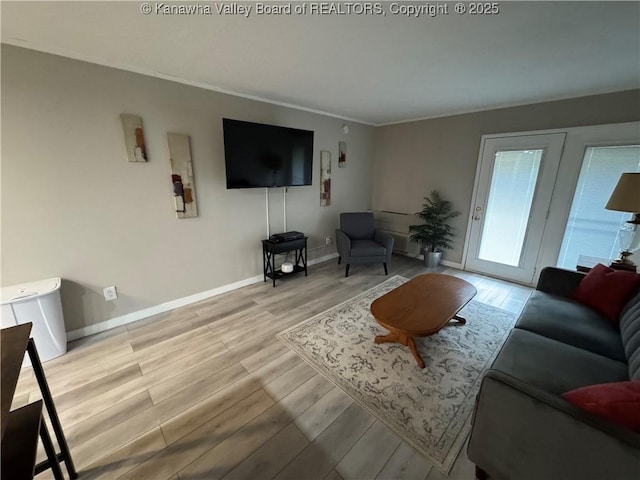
429,408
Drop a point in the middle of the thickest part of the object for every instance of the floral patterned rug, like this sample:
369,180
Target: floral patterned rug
429,408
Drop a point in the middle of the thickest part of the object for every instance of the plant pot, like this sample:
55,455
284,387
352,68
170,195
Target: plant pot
431,259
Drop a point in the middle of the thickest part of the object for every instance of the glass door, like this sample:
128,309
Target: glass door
591,231
513,193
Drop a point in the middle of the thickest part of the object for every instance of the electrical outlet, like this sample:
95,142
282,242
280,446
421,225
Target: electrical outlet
110,293
328,240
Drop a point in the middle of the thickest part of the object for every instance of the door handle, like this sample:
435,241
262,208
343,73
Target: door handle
477,217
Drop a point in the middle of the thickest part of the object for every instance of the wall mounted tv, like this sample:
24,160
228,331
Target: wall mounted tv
259,156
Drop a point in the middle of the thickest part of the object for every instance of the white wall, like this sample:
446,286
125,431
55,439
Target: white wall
72,206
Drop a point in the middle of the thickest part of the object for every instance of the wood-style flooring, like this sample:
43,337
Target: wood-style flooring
207,391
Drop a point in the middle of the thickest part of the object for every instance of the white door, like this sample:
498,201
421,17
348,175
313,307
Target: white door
514,186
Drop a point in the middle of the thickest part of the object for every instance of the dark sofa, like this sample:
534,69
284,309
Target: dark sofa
522,427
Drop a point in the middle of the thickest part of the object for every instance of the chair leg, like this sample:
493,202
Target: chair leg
346,273
339,260
385,268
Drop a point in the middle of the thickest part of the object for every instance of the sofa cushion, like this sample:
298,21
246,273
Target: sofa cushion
367,248
630,333
554,366
618,402
606,290
569,322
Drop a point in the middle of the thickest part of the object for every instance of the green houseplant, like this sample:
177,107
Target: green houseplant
435,234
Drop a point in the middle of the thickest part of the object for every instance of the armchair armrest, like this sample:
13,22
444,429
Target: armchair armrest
384,239
343,243
559,281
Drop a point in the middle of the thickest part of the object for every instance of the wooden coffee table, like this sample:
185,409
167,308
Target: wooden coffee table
421,307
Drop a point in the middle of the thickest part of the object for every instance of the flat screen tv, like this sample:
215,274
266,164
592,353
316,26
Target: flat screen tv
259,156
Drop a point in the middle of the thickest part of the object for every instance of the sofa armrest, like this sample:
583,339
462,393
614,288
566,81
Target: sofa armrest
522,432
343,243
559,281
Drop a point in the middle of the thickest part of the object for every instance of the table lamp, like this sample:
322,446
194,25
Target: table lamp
626,198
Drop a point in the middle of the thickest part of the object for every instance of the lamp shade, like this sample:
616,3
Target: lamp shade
626,195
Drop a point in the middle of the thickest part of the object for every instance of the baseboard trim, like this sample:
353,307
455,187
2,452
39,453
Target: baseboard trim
172,305
449,264
446,263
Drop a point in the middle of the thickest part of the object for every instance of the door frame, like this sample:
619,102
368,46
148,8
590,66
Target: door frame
577,140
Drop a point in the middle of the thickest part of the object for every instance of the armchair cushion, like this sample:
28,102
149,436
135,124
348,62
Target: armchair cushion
367,248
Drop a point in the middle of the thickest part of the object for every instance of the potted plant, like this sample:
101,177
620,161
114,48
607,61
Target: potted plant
435,234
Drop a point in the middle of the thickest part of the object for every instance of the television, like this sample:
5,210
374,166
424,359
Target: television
259,156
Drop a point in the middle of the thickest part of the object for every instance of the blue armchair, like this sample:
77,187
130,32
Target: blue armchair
358,241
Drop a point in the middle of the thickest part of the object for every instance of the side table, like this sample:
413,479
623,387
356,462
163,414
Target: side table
585,263
270,249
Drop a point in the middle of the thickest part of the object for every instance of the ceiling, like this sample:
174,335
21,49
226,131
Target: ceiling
377,69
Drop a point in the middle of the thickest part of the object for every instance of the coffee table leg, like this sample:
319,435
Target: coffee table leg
389,338
404,340
460,320
412,346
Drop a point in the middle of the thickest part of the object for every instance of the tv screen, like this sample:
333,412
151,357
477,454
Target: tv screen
258,155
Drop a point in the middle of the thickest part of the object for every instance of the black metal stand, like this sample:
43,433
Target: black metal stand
65,454
270,249
53,461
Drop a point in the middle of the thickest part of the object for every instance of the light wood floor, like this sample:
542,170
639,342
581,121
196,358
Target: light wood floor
207,391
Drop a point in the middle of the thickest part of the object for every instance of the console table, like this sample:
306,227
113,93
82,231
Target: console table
270,249
21,427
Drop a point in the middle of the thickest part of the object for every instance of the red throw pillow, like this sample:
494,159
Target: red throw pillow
617,402
606,290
